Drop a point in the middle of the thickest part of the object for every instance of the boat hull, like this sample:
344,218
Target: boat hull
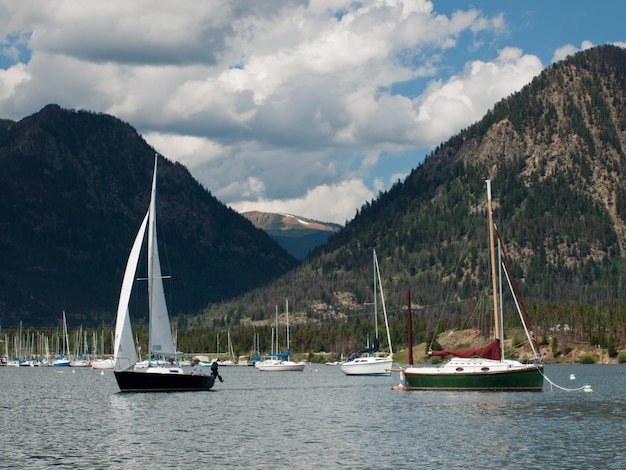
142,381
102,364
280,366
368,366
522,378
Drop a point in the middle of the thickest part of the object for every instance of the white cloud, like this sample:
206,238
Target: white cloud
569,49
447,107
278,105
10,79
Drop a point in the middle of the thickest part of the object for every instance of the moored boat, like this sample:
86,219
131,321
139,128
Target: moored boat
106,363
489,371
280,362
369,361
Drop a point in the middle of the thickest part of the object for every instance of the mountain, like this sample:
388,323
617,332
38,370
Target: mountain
74,187
297,235
555,154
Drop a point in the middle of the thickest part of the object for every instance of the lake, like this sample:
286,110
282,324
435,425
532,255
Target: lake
75,418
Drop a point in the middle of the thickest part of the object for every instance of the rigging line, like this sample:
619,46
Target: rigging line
584,388
461,256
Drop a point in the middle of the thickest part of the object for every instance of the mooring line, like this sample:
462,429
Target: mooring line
584,388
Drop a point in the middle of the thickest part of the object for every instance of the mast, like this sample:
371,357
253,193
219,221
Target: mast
67,338
151,240
161,339
500,304
382,300
492,250
375,301
410,332
287,319
276,331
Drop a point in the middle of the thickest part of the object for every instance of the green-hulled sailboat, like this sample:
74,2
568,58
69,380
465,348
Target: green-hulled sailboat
489,371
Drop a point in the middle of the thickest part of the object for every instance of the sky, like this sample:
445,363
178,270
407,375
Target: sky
307,108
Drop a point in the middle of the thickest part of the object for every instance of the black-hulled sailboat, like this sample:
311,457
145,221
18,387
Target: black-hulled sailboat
153,378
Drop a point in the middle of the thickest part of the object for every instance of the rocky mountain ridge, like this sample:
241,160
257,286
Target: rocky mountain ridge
298,235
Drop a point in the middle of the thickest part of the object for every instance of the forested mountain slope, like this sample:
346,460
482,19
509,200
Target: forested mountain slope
74,187
555,154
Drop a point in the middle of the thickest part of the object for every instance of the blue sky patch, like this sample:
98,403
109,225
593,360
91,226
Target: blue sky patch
14,49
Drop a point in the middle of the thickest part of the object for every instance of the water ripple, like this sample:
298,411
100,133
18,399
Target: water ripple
77,419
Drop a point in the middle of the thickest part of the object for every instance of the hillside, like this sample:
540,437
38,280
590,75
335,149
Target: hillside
297,235
74,187
555,154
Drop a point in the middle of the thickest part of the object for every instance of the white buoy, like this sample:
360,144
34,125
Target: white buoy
101,372
587,389
73,371
572,377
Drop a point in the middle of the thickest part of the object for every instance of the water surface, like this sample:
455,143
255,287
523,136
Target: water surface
318,418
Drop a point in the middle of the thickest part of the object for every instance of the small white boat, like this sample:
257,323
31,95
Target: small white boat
106,363
80,363
368,364
280,362
276,365
61,362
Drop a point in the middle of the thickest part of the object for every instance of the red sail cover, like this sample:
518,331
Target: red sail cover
491,351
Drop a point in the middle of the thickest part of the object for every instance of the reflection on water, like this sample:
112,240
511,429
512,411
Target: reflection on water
304,420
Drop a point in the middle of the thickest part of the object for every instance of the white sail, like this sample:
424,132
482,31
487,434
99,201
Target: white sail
161,342
124,349
152,377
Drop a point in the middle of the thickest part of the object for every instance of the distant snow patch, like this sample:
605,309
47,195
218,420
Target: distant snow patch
304,222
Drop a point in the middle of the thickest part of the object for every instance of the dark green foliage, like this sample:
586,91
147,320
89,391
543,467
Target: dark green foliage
587,359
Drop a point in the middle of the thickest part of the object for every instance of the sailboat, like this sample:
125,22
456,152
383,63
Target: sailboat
152,378
64,360
231,354
489,371
368,361
101,362
281,362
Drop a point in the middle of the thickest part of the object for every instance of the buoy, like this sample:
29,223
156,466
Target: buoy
101,372
398,387
587,389
73,371
572,377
